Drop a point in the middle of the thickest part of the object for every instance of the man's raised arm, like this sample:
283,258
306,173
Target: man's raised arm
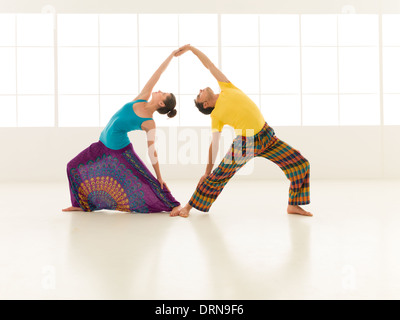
218,75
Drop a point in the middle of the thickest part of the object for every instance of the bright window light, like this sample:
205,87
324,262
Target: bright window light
36,111
193,75
198,29
35,30
319,30
158,30
391,70
103,60
7,27
78,111
8,111
241,67
390,29
279,30
7,73
110,104
281,110
35,70
190,115
359,109
118,30
78,70
118,70
319,70
239,30
78,30
359,70
320,110
150,59
358,30
280,70
391,105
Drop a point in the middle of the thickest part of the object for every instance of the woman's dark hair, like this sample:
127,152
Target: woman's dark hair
201,108
169,108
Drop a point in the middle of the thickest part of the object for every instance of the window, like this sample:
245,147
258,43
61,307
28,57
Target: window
311,69
27,77
391,69
358,41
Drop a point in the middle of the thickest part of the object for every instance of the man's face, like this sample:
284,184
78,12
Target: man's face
204,95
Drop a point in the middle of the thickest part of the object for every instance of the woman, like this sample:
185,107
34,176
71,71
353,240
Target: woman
110,175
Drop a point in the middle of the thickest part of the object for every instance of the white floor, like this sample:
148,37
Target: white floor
245,248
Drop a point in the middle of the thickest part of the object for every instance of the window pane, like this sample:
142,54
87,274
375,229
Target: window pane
118,29
110,104
8,111
118,70
280,70
358,30
391,105
319,30
35,70
320,110
190,115
199,29
359,70
390,29
391,70
158,30
36,111
359,109
77,30
279,30
319,70
281,110
7,71
7,27
239,30
193,75
78,111
35,30
241,67
150,59
78,71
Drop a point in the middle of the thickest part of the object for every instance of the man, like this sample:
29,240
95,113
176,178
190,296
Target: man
254,139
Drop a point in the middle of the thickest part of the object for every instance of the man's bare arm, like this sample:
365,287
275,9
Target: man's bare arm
218,75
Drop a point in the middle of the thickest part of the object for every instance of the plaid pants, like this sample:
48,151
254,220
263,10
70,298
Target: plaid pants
263,144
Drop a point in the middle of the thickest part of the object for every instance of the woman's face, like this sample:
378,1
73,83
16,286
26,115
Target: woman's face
159,96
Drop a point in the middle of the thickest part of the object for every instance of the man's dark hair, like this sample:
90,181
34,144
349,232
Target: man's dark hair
201,108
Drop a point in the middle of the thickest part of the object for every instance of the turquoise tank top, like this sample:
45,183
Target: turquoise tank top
115,134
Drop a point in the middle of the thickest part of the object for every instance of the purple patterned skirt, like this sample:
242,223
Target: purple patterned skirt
102,178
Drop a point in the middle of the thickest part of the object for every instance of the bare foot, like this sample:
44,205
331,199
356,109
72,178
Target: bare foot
298,210
72,209
175,211
185,211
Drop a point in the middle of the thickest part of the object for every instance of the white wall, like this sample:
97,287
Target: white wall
41,154
205,6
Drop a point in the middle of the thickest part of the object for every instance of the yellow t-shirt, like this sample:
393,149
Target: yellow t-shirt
237,110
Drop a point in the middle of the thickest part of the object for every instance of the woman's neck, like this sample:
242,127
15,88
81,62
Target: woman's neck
151,106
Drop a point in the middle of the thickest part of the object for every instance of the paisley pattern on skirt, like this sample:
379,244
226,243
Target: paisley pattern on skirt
102,178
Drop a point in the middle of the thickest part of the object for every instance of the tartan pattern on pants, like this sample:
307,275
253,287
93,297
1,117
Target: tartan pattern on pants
264,144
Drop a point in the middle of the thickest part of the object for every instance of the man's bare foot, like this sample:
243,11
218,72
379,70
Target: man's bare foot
175,211
72,209
185,211
298,210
